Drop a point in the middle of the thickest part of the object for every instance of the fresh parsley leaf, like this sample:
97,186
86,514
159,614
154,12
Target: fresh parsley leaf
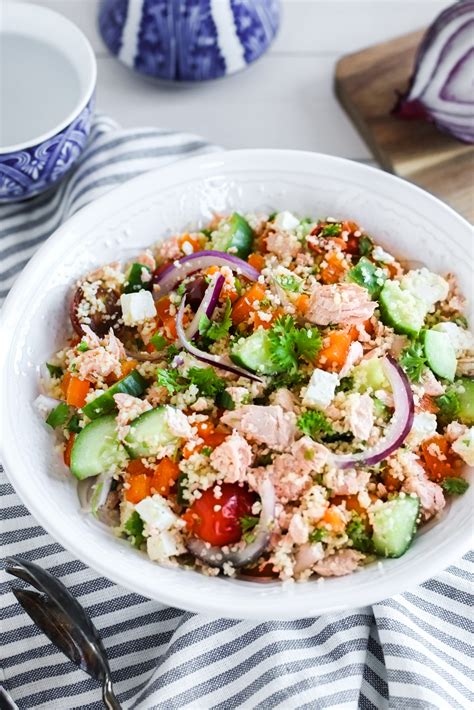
448,405
206,380
272,216
289,282
357,532
413,361
346,384
455,486
206,450
58,416
73,424
288,343
366,246
225,401
207,232
83,347
248,522
332,229
158,341
171,380
54,370
134,529
314,424
287,379
216,331
317,535
171,353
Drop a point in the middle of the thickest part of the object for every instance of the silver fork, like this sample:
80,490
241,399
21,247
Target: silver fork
65,622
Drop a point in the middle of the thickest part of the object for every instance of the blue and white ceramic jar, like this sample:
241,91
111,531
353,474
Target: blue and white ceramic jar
188,40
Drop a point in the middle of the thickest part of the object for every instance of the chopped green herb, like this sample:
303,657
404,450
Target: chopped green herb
206,380
449,405
368,275
455,486
356,531
206,450
264,460
288,343
413,361
216,331
331,230
171,380
134,529
83,347
461,321
272,216
248,522
181,289
58,416
158,341
317,535
207,232
225,401
171,353
73,424
54,370
315,424
238,286
346,384
289,282
366,246
181,486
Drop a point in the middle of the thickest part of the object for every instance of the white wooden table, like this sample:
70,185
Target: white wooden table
285,100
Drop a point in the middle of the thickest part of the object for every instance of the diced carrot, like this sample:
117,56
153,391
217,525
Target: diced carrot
169,327
257,261
65,383
187,451
333,520
334,270
212,270
390,482
210,435
127,366
440,461
353,504
68,449
393,268
258,320
243,307
427,404
216,439
150,348
302,303
77,391
339,241
139,489
190,519
188,239
136,466
333,355
165,476
163,308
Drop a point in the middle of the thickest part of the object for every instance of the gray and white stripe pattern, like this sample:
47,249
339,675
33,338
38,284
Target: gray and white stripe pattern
412,651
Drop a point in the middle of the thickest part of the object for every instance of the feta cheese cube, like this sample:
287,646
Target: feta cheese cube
164,545
462,340
424,427
383,256
428,287
156,513
286,221
137,307
320,390
464,446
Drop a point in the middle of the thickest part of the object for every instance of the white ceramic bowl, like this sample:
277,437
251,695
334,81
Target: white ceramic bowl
402,217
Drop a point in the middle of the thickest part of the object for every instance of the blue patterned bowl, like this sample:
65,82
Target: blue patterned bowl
188,40
47,97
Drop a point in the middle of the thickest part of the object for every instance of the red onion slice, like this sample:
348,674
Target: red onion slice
400,426
208,304
178,270
220,361
241,556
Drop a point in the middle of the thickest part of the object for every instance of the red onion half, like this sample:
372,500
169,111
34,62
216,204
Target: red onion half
178,270
441,89
400,426
241,556
208,304
221,361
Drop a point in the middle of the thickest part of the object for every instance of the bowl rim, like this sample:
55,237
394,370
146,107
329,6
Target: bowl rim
18,12
200,601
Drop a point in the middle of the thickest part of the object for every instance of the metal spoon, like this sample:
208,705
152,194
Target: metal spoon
65,622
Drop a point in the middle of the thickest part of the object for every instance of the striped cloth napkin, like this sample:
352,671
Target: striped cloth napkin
408,652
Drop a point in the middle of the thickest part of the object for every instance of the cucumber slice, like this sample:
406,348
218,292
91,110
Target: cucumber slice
440,354
253,353
149,433
394,525
401,310
368,275
134,279
465,391
133,384
96,449
234,233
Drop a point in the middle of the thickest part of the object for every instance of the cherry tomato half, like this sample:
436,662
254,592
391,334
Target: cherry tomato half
222,526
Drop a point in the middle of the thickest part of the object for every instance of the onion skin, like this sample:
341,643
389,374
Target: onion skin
397,431
214,556
441,89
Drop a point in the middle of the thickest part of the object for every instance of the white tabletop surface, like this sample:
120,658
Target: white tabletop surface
285,100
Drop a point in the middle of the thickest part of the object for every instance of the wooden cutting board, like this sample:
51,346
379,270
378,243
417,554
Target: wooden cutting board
366,84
